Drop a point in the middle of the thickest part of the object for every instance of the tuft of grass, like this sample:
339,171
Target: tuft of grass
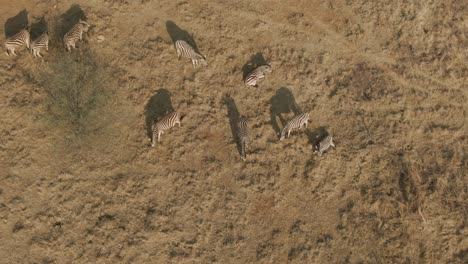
76,91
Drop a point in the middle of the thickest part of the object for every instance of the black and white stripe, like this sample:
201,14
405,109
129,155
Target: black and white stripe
75,34
243,135
168,121
295,123
16,41
324,145
185,50
257,74
41,42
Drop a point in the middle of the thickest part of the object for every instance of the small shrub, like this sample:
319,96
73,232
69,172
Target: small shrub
75,88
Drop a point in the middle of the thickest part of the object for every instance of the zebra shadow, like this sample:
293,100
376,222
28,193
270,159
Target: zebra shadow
255,61
283,102
158,106
15,24
66,21
38,27
317,135
176,33
233,115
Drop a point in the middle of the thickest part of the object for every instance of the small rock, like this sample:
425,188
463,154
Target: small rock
100,38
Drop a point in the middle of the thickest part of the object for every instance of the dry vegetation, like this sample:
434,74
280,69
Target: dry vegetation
79,182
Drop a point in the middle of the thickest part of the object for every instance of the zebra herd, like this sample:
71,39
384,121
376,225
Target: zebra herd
23,37
183,49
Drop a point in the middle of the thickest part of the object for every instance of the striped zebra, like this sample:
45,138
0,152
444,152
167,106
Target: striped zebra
256,75
168,121
185,50
16,41
75,34
243,135
40,42
295,123
325,144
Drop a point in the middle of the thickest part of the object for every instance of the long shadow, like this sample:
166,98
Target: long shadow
283,102
316,136
67,20
14,24
255,61
157,107
233,115
176,33
38,27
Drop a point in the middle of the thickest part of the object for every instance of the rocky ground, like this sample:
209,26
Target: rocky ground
79,182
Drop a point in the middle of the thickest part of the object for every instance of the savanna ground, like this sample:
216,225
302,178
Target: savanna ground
79,182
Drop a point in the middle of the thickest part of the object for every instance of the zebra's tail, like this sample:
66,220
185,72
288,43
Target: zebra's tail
243,147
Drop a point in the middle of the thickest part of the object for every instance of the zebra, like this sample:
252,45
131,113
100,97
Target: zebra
325,144
75,34
243,135
168,121
187,51
256,75
294,123
14,42
40,42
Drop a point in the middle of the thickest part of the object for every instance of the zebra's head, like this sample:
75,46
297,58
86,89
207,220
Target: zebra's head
283,134
266,68
203,60
85,24
28,38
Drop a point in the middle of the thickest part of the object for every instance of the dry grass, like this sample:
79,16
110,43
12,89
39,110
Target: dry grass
385,79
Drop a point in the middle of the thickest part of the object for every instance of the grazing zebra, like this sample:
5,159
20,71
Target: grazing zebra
168,121
243,135
325,144
187,51
75,34
294,123
41,42
256,75
14,42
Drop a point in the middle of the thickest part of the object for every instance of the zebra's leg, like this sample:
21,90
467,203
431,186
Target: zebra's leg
153,139
289,132
39,54
243,151
159,136
13,52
